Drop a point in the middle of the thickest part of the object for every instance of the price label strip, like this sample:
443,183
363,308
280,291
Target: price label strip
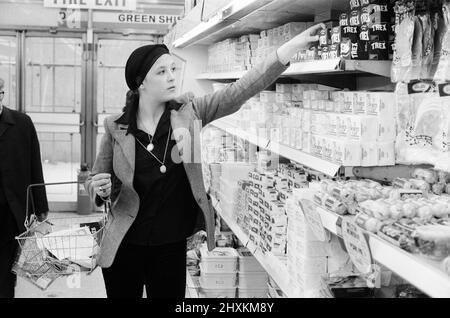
313,219
357,246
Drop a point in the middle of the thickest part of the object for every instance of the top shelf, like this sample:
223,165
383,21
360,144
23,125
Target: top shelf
317,67
251,16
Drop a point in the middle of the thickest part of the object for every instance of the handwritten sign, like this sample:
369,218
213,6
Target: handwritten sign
357,246
313,219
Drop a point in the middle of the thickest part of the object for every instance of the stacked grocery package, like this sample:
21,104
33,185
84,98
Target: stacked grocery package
252,277
218,272
309,258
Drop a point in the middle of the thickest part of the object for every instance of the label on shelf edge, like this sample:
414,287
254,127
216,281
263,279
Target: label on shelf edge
313,219
357,246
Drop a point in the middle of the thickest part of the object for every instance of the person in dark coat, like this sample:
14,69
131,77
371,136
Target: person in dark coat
20,166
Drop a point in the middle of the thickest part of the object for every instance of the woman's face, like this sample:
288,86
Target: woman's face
160,79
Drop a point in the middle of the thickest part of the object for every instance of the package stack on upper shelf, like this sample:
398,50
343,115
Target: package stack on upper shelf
367,99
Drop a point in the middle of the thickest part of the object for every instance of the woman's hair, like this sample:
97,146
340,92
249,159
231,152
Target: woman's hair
132,101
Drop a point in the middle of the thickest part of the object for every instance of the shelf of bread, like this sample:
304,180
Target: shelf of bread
326,167
251,16
319,67
427,275
269,262
407,228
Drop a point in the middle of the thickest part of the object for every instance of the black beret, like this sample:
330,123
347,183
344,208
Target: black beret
141,61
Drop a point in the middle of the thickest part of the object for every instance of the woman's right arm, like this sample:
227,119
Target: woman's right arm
98,184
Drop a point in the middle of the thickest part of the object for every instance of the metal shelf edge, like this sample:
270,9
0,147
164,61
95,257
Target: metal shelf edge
308,160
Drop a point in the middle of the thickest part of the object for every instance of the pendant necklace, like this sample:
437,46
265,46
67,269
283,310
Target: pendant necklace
150,148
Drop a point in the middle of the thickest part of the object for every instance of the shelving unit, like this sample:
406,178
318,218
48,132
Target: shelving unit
320,67
326,167
419,271
273,266
251,16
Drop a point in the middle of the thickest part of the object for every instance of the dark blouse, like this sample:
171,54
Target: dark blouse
168,210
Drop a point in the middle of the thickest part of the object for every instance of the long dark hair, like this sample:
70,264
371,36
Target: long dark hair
132,101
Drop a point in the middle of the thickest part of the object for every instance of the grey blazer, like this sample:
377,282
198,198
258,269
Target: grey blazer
117,153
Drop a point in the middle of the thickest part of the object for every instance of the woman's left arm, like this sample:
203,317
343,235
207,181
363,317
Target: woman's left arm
229,99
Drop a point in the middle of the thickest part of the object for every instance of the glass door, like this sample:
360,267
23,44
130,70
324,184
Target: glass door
8,68
53,86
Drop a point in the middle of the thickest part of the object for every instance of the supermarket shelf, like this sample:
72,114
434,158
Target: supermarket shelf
251,16
301,157
333,66
422,273
191,290
269,262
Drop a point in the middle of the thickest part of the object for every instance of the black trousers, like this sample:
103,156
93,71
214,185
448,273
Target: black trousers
8,252
161,269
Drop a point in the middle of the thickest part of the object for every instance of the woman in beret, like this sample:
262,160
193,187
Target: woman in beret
149,166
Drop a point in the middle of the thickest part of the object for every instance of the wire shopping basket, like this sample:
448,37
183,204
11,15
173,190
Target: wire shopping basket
58,246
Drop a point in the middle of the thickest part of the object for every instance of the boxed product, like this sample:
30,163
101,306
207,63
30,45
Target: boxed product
257,280
386,154
283,88
369,154
381,104
347,153
267,96
252,292
362,128
217,292
217,280
386,129
219,260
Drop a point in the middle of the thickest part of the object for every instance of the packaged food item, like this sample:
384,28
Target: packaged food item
365,15
428,175
433,241
355,18
427,45
324,37
378,50
403,50
350,32
379,31
368,223
342,285
336,35
355,4
344,20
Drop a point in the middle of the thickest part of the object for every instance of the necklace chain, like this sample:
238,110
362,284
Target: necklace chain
165,151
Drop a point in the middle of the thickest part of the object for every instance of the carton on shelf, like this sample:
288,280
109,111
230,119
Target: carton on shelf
386,153
369,155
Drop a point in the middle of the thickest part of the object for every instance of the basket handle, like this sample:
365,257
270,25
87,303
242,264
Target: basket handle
29,218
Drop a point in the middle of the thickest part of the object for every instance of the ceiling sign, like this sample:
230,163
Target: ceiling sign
121,5
135,18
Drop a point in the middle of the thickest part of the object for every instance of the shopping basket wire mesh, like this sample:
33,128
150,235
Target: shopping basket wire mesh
58,246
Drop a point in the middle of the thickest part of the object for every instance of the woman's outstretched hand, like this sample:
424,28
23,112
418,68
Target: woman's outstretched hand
299,42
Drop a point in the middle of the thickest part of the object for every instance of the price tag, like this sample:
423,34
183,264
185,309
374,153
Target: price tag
357,246
313,219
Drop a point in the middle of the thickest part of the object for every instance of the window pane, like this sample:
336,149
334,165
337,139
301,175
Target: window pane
8,48
60,161
111,85
53,85
53,75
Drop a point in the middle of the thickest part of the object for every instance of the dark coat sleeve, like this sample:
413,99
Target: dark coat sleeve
39,193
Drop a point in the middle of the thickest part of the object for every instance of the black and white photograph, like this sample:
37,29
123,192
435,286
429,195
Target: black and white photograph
224,156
